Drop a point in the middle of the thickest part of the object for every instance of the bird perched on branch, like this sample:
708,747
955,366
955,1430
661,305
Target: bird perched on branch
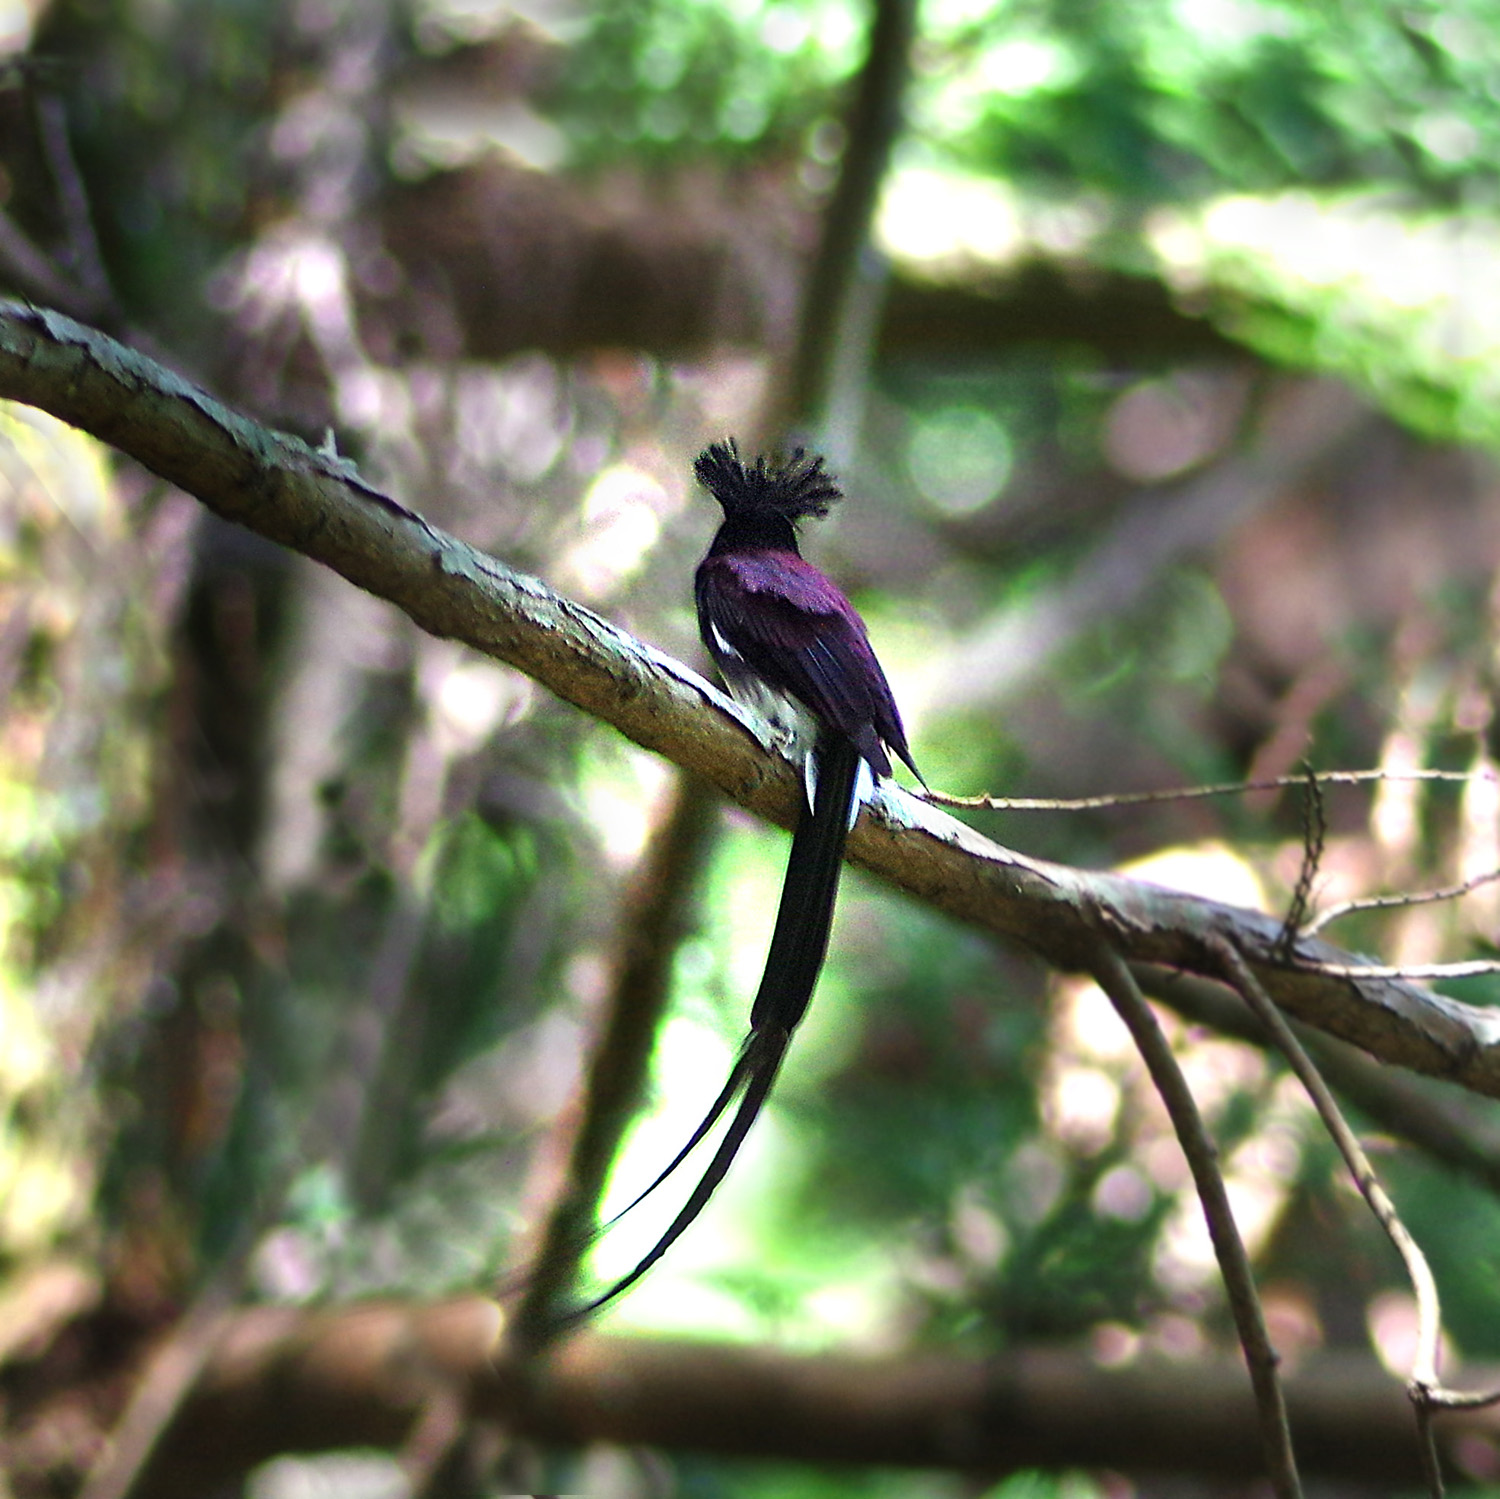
791,648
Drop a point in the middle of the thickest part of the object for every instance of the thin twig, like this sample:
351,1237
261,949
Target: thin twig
167,1382
1314,833
1400,1106
1474,968
1432,1468
1238,975
1424,1387
1429,1309
1115,978
83,254
1392,902
986,803
34,273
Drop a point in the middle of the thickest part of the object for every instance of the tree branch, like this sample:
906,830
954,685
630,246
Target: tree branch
651,925
831,299
1458,1134
1229,1248
285,1379
318,504
677,269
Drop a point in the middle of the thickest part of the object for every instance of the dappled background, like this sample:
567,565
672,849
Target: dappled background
1164,401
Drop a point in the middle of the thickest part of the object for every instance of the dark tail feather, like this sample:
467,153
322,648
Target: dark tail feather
765,1052
799,939
737,1077
798,943
805,914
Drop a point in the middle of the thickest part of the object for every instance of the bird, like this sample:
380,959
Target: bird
792,649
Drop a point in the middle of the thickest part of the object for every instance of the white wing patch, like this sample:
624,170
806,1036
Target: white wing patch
864,786
722,643
864,789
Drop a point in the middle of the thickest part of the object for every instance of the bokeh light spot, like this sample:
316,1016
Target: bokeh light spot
959,459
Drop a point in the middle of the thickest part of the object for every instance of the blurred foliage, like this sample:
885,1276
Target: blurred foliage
80,673
1156,101
1376,123
648,79
1371,286
194,84
699,1480
306,921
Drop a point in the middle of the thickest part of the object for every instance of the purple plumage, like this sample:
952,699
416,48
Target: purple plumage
770,619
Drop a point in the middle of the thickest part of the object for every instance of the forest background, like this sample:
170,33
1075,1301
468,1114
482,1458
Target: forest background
1155,345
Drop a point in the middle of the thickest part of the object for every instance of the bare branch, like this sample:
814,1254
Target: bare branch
650,928
1429,1310
1314,832
1472,969
1234,1263
83,254
987,803
288,1379
1404,1107
27,266
1398,902
1425,1387
169,1378
832,331
319,505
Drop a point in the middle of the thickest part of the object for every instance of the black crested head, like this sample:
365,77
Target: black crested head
782,488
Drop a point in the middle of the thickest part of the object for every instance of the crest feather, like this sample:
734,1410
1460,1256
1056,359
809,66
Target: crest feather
788,487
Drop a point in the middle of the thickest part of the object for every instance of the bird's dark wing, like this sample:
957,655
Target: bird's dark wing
793,628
